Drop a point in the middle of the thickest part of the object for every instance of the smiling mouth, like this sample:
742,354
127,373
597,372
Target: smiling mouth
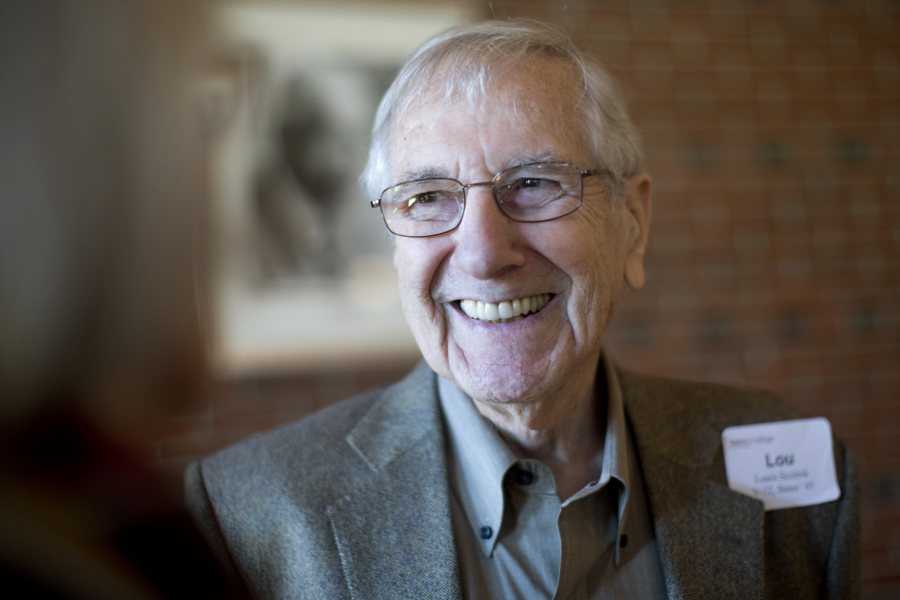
506,311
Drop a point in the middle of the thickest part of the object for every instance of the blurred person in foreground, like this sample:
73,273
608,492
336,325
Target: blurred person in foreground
517,461
101,181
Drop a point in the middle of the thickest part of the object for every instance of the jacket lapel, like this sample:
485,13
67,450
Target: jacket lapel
394,532
710,538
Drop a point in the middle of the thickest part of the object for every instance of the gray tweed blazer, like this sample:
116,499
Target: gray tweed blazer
353,502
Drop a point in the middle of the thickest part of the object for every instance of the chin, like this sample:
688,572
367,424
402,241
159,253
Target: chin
506,387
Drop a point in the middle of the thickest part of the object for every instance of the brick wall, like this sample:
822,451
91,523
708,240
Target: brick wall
772,131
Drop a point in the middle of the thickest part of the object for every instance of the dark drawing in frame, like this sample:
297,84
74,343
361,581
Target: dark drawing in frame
305,279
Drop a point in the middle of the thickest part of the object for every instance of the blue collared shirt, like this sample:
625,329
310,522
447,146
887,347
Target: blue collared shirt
516,539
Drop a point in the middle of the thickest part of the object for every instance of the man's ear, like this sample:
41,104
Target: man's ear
639,207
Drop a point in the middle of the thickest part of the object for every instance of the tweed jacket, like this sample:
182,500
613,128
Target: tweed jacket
353,502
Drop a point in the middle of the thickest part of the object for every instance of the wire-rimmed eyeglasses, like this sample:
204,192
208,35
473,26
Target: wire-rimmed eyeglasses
527,193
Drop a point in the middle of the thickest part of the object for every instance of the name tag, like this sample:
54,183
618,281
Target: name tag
785,464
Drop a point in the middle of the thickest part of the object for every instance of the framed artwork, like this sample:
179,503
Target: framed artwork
304,279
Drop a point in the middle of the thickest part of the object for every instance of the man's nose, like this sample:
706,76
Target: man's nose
487,241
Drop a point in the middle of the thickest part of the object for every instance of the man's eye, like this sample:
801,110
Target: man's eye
424,198
429,206
531,182
535,184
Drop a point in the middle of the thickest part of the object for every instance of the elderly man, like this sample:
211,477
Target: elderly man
517,461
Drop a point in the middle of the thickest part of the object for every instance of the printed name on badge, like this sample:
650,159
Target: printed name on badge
785,464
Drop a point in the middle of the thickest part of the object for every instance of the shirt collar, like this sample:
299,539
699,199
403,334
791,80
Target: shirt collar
480,458
479,462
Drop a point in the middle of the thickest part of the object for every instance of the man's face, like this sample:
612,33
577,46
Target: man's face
578,262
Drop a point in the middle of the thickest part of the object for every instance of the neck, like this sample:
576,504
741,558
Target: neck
566,432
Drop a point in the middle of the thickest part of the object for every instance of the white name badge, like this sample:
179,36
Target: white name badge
785,464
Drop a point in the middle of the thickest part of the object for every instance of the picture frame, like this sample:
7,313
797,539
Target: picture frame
304,279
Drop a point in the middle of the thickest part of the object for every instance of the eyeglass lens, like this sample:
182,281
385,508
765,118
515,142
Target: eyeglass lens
529,193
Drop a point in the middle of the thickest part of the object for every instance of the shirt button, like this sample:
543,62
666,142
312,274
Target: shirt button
524,477
486,533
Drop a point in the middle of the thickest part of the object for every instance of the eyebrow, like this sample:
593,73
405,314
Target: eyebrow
423,173
528,159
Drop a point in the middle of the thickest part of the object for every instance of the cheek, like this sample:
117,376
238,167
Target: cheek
584,248
602,240
416,261
408,278
587,250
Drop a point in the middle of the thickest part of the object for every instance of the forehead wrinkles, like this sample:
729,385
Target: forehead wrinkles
544,92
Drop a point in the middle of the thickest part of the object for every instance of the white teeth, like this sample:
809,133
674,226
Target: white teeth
491,312
503,311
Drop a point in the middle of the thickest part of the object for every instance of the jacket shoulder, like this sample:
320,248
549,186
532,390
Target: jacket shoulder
310,460
244,493
713,404
301,447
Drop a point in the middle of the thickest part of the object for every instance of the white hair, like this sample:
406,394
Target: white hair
469,58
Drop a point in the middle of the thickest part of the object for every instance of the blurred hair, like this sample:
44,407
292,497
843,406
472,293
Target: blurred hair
462,63
102,185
